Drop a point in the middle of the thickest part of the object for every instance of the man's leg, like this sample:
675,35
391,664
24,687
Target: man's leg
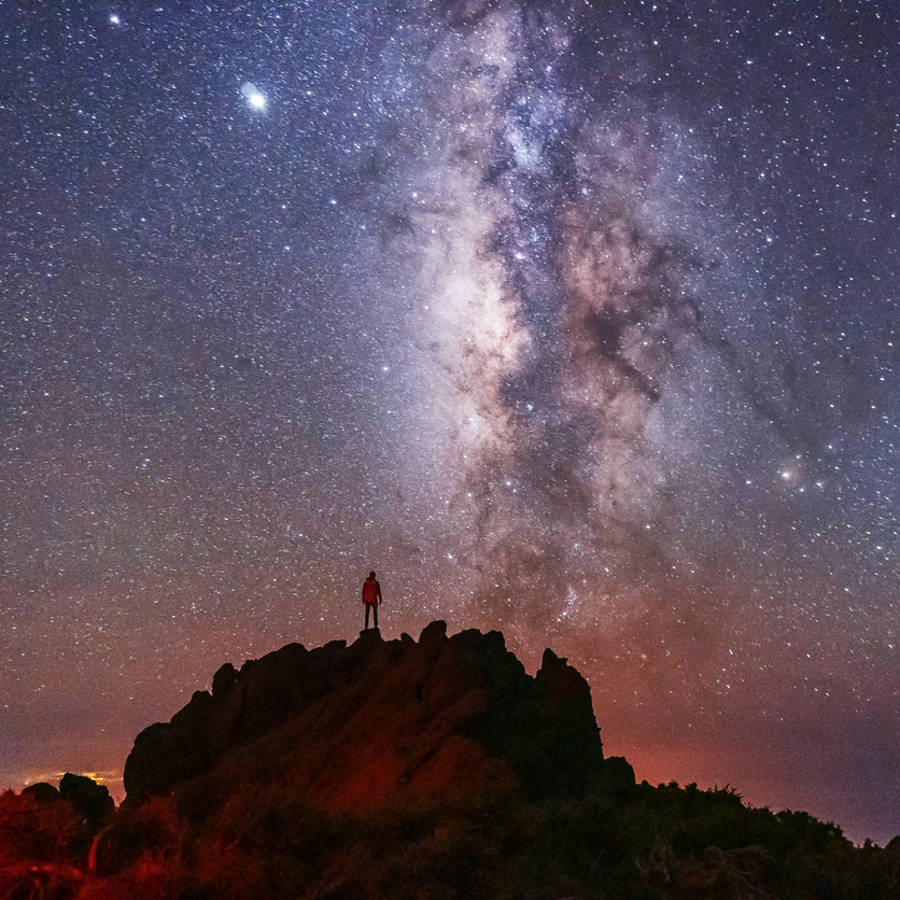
367,617
375,614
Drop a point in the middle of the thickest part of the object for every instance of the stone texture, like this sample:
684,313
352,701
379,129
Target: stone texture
376,721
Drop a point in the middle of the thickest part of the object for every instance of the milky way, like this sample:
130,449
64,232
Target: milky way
573,320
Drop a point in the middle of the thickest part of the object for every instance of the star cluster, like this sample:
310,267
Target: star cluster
574,320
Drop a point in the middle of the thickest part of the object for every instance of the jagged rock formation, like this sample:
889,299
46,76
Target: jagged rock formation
407,769
355,726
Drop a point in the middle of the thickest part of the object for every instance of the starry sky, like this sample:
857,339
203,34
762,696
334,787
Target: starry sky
576,320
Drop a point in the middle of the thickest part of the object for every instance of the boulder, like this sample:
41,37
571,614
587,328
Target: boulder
41,792
91,802
433,634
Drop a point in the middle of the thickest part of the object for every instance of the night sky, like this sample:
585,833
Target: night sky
576,320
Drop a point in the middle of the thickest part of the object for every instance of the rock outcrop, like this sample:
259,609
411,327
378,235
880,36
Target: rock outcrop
90,802
429,768
377,720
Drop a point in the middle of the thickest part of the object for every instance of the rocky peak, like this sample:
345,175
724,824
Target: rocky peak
364,723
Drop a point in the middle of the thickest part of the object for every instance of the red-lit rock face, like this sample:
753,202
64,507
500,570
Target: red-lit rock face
376,722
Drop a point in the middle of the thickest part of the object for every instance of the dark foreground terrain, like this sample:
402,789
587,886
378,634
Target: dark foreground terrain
435,768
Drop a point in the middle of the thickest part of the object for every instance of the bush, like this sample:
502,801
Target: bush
36,830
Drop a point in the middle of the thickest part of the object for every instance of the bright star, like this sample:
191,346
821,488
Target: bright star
255,98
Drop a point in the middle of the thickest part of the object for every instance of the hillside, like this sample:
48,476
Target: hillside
429,768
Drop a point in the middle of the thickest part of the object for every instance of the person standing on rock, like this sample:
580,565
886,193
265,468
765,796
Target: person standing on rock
371,598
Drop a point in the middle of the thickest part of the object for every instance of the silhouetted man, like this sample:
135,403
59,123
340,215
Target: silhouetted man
371,598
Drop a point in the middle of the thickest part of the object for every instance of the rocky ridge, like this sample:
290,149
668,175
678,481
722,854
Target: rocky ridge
368,723
409,769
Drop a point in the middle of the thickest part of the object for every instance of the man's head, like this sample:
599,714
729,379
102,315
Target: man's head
371,574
